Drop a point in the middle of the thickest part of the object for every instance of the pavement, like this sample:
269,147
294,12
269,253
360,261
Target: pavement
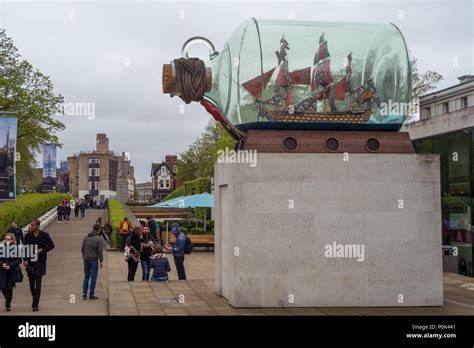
62,287
196,296
61,292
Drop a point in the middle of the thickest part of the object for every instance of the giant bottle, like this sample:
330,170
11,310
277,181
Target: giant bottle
299,75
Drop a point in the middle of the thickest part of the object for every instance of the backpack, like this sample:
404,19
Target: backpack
188,248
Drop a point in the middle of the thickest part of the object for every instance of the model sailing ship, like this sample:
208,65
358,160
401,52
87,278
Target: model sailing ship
320,105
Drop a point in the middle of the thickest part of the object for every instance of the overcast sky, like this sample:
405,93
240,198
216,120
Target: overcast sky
111,54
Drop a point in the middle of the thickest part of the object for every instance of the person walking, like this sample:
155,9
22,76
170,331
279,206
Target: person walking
125,228
148,243
67,212
108,232
92,254
60,211
9,270
152,227
134,245
101,230
178,250
82,209
76,209
17,232
160,265
36,267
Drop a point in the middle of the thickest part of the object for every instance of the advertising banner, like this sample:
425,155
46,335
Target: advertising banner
49,168
8,134
64,177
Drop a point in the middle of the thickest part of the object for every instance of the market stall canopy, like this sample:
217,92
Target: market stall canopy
202,200
172,203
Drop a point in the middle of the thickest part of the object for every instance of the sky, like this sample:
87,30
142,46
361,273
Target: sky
110,54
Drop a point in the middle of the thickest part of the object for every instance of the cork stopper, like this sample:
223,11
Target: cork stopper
169,80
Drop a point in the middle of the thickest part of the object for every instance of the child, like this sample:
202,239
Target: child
160,265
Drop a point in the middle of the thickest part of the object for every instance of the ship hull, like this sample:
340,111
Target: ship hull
265,125
318,117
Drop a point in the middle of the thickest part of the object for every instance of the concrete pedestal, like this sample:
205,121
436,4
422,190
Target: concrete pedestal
277,224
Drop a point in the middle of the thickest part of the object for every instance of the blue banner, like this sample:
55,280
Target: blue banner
8,134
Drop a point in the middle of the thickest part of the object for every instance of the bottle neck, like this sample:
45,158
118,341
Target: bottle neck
187,78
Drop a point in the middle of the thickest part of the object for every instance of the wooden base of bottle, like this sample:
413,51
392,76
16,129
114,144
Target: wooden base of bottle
294,141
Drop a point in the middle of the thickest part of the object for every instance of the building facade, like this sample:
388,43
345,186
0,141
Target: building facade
446,127
101,173
144,192
164,179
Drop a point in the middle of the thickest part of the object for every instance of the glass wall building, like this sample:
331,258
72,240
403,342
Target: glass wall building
456,152
446,127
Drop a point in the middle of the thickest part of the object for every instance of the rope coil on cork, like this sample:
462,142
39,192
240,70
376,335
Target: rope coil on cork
190,79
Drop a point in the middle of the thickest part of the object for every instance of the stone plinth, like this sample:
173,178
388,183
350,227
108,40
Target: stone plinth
275,224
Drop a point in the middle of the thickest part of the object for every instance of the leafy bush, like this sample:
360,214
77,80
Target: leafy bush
140,204
27,207
193,187
198,230
116,214
184,229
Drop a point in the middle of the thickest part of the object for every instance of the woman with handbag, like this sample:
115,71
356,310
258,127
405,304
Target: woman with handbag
10,272
132,253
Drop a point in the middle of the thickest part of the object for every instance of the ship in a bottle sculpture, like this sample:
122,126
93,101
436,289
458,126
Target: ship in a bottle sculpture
290,75
282,108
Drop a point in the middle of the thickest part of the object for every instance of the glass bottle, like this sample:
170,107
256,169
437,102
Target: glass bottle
284,74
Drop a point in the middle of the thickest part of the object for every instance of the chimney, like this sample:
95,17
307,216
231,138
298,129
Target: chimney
102,143
466,78
171,159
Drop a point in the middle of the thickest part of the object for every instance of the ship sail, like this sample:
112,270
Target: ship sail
322,65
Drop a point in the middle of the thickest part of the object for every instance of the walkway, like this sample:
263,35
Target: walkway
62,285
198,298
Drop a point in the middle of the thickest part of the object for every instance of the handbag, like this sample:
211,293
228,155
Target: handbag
19,275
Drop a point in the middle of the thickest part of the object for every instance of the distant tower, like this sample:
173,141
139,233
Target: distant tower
102,143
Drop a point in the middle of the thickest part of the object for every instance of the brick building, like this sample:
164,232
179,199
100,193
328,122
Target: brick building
164,179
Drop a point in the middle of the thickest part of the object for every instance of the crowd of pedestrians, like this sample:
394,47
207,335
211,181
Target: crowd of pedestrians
144,245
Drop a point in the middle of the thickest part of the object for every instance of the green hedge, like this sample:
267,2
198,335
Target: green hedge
197,230
193,187
116,214
27,207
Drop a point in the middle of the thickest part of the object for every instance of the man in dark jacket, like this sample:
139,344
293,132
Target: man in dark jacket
152,227
92,255
178,250
17,231
36,267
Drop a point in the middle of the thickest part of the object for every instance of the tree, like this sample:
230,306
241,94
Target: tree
198,160
29,93
421,83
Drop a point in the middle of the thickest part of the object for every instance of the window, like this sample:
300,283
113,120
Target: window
163,170
175,169
93,185
464,102
94,160
445,108
426,113
161,183
94,172
167,185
